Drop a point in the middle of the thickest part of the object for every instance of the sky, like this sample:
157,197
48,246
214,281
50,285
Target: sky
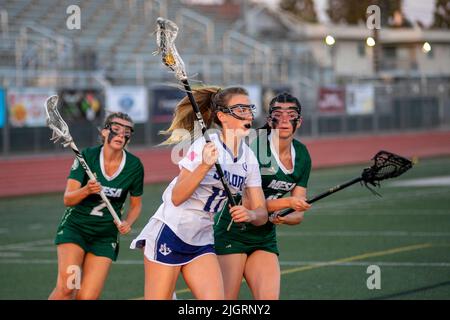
414,10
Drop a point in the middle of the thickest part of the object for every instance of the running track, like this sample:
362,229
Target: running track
48,173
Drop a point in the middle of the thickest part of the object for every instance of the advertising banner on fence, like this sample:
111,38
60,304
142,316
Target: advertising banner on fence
130,100
2,107
163,103
331,100
360,99
81,104
26,106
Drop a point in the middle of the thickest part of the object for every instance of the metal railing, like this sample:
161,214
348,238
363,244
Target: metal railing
408,105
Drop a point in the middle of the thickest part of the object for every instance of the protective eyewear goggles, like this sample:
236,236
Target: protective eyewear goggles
292,113
240,111
119,128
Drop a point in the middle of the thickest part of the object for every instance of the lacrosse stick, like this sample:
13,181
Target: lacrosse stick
386,165
166,33
61,132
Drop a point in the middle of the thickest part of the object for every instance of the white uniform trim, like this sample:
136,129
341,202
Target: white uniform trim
151,234
118,171
277,158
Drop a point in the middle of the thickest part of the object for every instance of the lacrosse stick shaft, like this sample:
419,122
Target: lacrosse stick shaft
199,117
324,194
92,177
165,41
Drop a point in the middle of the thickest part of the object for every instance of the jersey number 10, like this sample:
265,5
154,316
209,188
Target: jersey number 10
215,201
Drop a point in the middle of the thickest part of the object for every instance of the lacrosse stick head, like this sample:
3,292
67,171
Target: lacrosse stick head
386,165
166,33
56,123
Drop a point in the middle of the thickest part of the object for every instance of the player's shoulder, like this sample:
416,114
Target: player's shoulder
133,160
299,146
92,151
301,151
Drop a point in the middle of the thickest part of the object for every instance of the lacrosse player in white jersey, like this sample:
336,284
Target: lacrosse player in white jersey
179,236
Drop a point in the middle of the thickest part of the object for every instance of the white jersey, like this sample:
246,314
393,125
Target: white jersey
192,221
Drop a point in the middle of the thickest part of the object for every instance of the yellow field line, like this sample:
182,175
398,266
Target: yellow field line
358,257
342,260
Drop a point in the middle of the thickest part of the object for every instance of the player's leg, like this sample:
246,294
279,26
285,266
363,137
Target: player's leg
160,280
204,278
70,261
262,272
232,266
95,271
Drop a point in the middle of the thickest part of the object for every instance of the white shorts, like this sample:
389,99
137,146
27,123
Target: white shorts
162,245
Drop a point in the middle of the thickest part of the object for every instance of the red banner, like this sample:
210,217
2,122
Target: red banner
331,100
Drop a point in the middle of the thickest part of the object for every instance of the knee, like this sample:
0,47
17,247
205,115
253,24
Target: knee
62,292
267,295
267,292
213,296
85,295
217,294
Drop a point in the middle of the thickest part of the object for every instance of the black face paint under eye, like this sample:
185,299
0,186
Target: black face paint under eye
113,134
276,121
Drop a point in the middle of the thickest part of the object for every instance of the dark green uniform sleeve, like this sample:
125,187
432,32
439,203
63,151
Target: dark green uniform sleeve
137,188
77,171
306,166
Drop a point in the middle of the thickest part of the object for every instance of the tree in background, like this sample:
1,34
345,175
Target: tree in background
442,14
302,9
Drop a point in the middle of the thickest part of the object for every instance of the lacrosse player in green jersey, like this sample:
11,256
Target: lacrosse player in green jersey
87,238
251,251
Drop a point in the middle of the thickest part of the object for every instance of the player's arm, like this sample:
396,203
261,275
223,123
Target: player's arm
188,180
296,201
253,209
74,193
133,213
297,216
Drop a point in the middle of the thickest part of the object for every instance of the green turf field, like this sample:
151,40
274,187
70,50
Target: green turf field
406,233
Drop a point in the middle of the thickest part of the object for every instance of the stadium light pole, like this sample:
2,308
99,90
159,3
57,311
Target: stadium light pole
375,41
331,43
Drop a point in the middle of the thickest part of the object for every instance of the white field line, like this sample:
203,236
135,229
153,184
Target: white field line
33,249
442,181
370,199
26,244
390,233
368,263
282,263
10,255
383,212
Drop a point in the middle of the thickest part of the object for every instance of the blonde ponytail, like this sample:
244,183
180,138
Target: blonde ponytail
207,98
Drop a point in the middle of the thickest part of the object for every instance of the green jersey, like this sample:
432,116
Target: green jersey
277,181
91,215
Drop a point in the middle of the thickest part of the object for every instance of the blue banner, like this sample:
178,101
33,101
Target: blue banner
2,107
163,102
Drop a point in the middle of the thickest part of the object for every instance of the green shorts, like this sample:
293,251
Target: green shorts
103,247
226,243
